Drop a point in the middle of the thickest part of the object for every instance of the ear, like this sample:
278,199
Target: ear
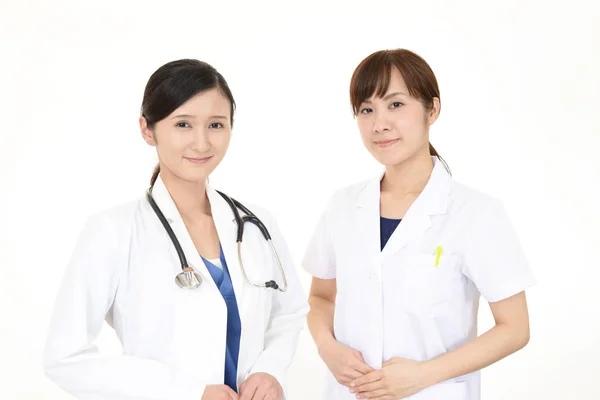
434,112
147,133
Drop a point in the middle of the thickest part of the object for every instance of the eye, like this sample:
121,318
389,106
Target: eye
216,125
396,104
366,110
183,124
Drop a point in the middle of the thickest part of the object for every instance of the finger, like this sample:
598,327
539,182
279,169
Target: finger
348,376
359,364
391,361
232,394
368,378
362,368
384,397
261,393
352,374
248,389
359,356
272,395
372,394
369,387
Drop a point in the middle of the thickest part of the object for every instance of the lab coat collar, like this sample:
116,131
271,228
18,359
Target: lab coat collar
433,200
226,230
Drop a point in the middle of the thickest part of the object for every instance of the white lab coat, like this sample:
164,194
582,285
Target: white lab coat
396,302
123,270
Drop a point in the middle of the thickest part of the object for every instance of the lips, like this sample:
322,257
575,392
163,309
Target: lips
386,143
198,160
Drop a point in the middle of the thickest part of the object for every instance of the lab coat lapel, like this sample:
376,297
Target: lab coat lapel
227,231
417,220
367,220
167,206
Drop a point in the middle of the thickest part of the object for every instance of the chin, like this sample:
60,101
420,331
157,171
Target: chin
390,159
192,176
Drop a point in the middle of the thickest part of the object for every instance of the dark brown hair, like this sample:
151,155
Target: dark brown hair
175,83
372,77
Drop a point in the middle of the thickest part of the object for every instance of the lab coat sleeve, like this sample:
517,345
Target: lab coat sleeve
494,260
85,298
319,258
288,314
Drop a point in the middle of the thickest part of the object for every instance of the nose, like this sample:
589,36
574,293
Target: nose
201,143
380,123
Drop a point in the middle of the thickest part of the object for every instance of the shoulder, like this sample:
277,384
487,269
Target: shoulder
350,193
344,196
473,204
116,219
469,196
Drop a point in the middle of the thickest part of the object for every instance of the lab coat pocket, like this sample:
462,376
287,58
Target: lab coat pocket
426,288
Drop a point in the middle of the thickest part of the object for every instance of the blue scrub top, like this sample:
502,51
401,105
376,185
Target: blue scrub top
234,326
387,227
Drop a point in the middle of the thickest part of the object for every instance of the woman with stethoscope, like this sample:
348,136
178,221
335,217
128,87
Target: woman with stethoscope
200,290
399,262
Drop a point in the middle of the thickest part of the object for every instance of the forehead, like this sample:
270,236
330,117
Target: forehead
206,102
395,83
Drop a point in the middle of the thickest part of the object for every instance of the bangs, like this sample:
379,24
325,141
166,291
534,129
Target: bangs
371,77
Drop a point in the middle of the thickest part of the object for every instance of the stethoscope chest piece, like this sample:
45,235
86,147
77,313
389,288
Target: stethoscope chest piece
188,279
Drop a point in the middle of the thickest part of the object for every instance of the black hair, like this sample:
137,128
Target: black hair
173,84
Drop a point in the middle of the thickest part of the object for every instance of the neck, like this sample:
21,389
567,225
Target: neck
408,177
190,197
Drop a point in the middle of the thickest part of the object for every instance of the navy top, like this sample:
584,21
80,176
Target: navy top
234,325
387,227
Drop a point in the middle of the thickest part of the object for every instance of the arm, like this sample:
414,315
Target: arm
496,264
510,334
322,306
345,363
85,299
400,377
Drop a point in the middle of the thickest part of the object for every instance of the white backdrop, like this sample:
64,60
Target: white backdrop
519,83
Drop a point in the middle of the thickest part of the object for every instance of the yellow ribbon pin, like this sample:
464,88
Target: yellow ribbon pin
438,253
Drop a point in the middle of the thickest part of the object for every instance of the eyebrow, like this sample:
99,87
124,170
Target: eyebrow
193,117
389,96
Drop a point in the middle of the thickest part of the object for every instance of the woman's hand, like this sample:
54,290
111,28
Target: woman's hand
219,392
261,386
345,363
398,378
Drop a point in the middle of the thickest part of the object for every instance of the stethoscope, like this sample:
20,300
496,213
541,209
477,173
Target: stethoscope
190,279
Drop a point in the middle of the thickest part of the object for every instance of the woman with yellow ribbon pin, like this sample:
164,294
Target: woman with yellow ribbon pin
400,261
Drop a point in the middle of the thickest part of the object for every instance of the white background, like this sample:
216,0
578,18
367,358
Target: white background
519,83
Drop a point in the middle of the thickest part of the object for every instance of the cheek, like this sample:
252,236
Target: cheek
220,140
172,145
412,127
366,131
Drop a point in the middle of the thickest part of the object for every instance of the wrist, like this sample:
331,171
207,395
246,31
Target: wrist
428,374
324,343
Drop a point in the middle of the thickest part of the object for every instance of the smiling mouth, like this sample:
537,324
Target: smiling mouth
198,160
386,143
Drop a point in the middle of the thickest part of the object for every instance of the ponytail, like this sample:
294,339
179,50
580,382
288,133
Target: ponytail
434,152
155,174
